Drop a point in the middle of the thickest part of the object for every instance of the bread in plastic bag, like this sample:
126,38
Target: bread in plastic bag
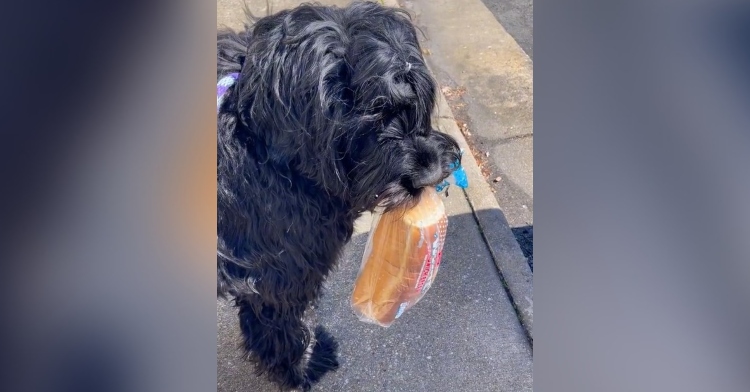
401,260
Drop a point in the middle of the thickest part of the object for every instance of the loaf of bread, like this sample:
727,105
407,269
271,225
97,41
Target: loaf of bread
401,260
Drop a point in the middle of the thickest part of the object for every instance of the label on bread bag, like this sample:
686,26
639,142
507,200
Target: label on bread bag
424,274
430,265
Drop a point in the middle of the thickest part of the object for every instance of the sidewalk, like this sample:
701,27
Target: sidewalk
465,334
488,81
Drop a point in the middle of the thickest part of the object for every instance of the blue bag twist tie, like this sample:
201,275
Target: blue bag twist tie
457,177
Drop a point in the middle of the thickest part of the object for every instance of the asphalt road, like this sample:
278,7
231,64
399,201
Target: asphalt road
517,16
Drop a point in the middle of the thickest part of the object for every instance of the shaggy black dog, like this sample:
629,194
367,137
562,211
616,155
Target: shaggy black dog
329,117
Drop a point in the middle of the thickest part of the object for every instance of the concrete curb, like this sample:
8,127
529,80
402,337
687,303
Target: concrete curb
506,253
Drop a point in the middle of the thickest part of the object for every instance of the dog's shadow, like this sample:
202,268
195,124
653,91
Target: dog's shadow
457,334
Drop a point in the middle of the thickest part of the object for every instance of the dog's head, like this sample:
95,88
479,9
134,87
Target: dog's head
345,96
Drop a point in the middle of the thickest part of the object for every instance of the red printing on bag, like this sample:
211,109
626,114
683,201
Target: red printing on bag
424,273
431,263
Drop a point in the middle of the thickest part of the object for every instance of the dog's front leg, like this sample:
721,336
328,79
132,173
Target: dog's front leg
282,344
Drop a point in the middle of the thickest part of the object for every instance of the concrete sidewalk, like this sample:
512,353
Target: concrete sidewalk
488,81
465,334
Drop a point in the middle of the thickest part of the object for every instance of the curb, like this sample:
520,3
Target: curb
512,265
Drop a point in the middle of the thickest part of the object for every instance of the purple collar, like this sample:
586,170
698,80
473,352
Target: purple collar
222,86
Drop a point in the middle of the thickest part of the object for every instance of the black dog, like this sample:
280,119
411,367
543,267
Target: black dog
328,117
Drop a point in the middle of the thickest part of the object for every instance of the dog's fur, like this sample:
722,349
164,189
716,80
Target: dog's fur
330,117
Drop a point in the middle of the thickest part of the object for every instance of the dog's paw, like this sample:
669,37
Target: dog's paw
324,357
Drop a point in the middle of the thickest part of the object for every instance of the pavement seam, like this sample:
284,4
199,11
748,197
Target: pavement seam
511,139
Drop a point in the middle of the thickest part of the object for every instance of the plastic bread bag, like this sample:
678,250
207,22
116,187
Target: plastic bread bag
401,260
402,255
